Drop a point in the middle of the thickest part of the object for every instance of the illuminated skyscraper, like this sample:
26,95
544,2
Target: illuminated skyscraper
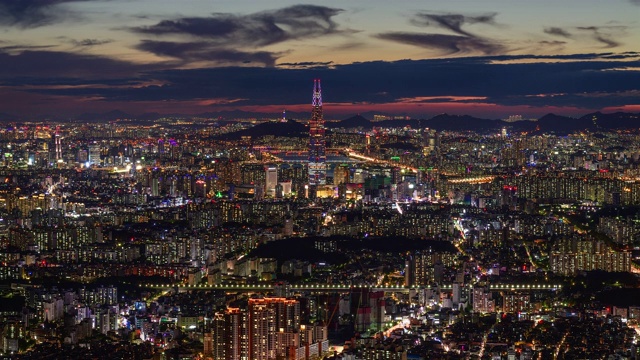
58,143
271,179
317,142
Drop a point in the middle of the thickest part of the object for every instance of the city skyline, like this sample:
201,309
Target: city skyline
489,59
449,238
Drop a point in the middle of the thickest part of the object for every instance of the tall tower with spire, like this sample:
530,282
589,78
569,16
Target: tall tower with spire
317,141
58,144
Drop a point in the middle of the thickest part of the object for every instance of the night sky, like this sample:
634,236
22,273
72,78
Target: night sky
489,58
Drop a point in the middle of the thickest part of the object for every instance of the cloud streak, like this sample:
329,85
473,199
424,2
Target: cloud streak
453,22
204,51
447,44
556,31
91,42
601,37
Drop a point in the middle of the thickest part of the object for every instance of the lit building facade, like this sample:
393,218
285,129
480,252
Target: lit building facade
317,141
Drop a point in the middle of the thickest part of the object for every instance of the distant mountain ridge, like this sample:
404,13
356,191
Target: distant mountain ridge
549,123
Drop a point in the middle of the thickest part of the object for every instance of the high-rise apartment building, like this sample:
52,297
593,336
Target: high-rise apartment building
229,335
268,329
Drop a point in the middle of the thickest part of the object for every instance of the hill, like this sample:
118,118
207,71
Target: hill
289,128
304,248
352,122
439,122
462,122
618,120
562,125
295,248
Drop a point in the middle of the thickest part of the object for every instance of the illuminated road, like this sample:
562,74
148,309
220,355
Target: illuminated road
276,155
485,337
533,265
557,352
352,154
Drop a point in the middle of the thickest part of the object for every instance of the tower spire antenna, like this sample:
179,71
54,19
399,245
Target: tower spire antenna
317,93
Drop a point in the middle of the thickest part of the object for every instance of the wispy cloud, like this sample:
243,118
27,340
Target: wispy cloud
557,31
205,51
608,42
90,42
447,44
603,35
453,22
461,41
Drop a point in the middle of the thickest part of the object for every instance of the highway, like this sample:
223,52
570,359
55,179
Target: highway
352,154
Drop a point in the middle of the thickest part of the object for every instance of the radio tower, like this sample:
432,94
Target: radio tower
58,144
317,142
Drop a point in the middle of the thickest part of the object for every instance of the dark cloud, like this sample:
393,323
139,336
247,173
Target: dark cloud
230,38
258,29
20,48
33,13
581,80
204,51
552,43
91,42
306,64
42,64
453,22
588,28
172,49
499,79
462,41
624,55
588,56
556,31
590,100
448,44
221,25
635,2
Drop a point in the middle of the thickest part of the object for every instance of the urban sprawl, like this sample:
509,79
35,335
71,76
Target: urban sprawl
207,238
